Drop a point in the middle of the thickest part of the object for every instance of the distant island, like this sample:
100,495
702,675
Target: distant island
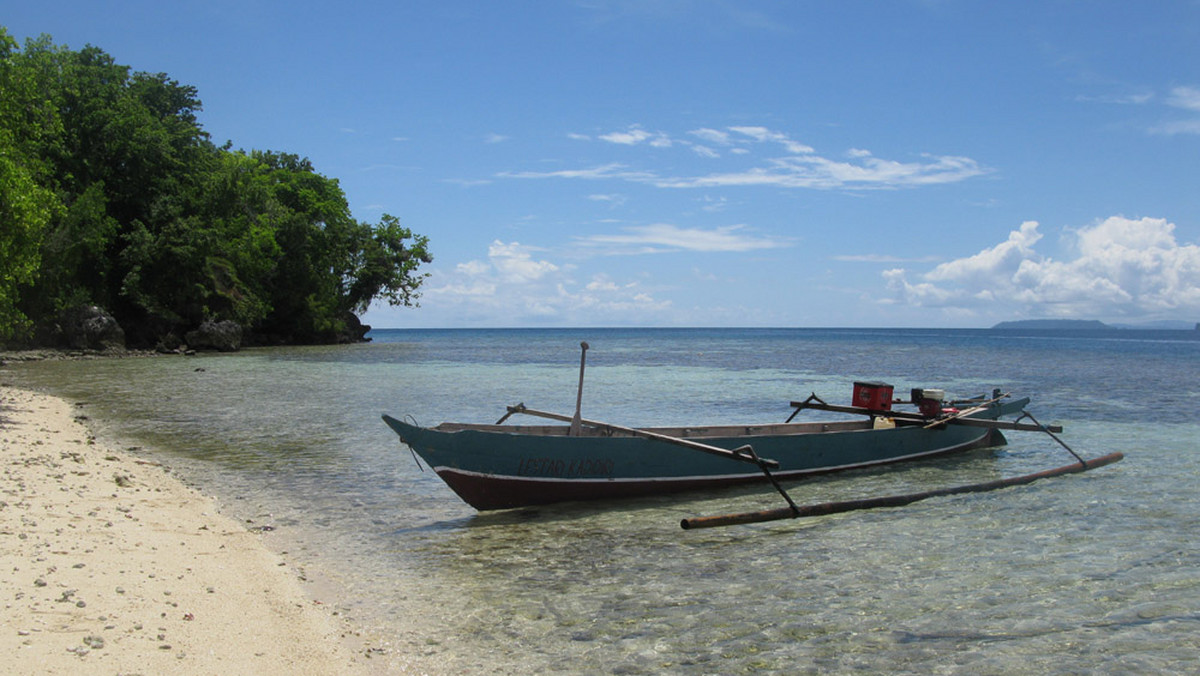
1054,324
1089,325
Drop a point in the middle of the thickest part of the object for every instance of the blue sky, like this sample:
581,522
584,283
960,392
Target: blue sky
929,163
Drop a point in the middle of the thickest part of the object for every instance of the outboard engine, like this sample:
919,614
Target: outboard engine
928,401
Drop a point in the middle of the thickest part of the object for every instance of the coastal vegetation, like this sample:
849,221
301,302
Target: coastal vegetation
117,209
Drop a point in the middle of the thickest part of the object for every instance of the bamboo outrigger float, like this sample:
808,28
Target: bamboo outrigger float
502,466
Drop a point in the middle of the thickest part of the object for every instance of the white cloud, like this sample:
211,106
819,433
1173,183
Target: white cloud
1184,98
1118,268
812,171
601,282
516,285
1178,127
636,135
714,205
784,163
615,200
515,263
473,268
714,136
605,171
1137,99
762,134
1187,99
663,237
882,258
1004,259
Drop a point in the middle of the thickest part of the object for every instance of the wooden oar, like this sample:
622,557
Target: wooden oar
891,501
967,412
743,453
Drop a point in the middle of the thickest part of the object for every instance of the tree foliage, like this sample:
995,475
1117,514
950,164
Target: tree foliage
111,194
26,205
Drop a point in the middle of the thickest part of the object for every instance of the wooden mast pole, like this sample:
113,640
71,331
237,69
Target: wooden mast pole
577,421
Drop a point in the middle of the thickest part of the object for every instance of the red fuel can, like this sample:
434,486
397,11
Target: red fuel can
873,396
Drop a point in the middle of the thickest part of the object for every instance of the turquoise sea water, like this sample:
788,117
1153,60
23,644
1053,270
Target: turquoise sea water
1093,573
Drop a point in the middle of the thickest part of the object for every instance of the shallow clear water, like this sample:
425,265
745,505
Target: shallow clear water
1093,573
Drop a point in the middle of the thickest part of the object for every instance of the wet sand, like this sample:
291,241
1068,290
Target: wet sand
110,565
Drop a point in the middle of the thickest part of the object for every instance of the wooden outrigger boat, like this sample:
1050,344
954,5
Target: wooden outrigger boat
501,466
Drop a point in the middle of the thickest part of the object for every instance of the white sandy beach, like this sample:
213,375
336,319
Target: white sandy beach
111,566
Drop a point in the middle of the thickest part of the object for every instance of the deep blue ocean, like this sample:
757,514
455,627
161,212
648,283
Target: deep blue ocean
1084,574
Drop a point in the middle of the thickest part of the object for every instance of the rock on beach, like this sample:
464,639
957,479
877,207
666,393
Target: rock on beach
109,565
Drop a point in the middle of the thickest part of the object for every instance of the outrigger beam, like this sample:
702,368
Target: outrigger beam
890,501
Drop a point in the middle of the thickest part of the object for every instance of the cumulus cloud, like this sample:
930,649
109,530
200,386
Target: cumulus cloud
1116,268
516,284
760,156
515,263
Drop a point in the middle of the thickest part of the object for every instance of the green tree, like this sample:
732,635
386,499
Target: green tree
26,207
214,256
112,194
385,264
25,210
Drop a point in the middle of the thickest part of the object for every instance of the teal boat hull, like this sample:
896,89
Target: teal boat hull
506,466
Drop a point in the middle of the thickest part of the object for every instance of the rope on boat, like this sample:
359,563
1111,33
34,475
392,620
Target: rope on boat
413,421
